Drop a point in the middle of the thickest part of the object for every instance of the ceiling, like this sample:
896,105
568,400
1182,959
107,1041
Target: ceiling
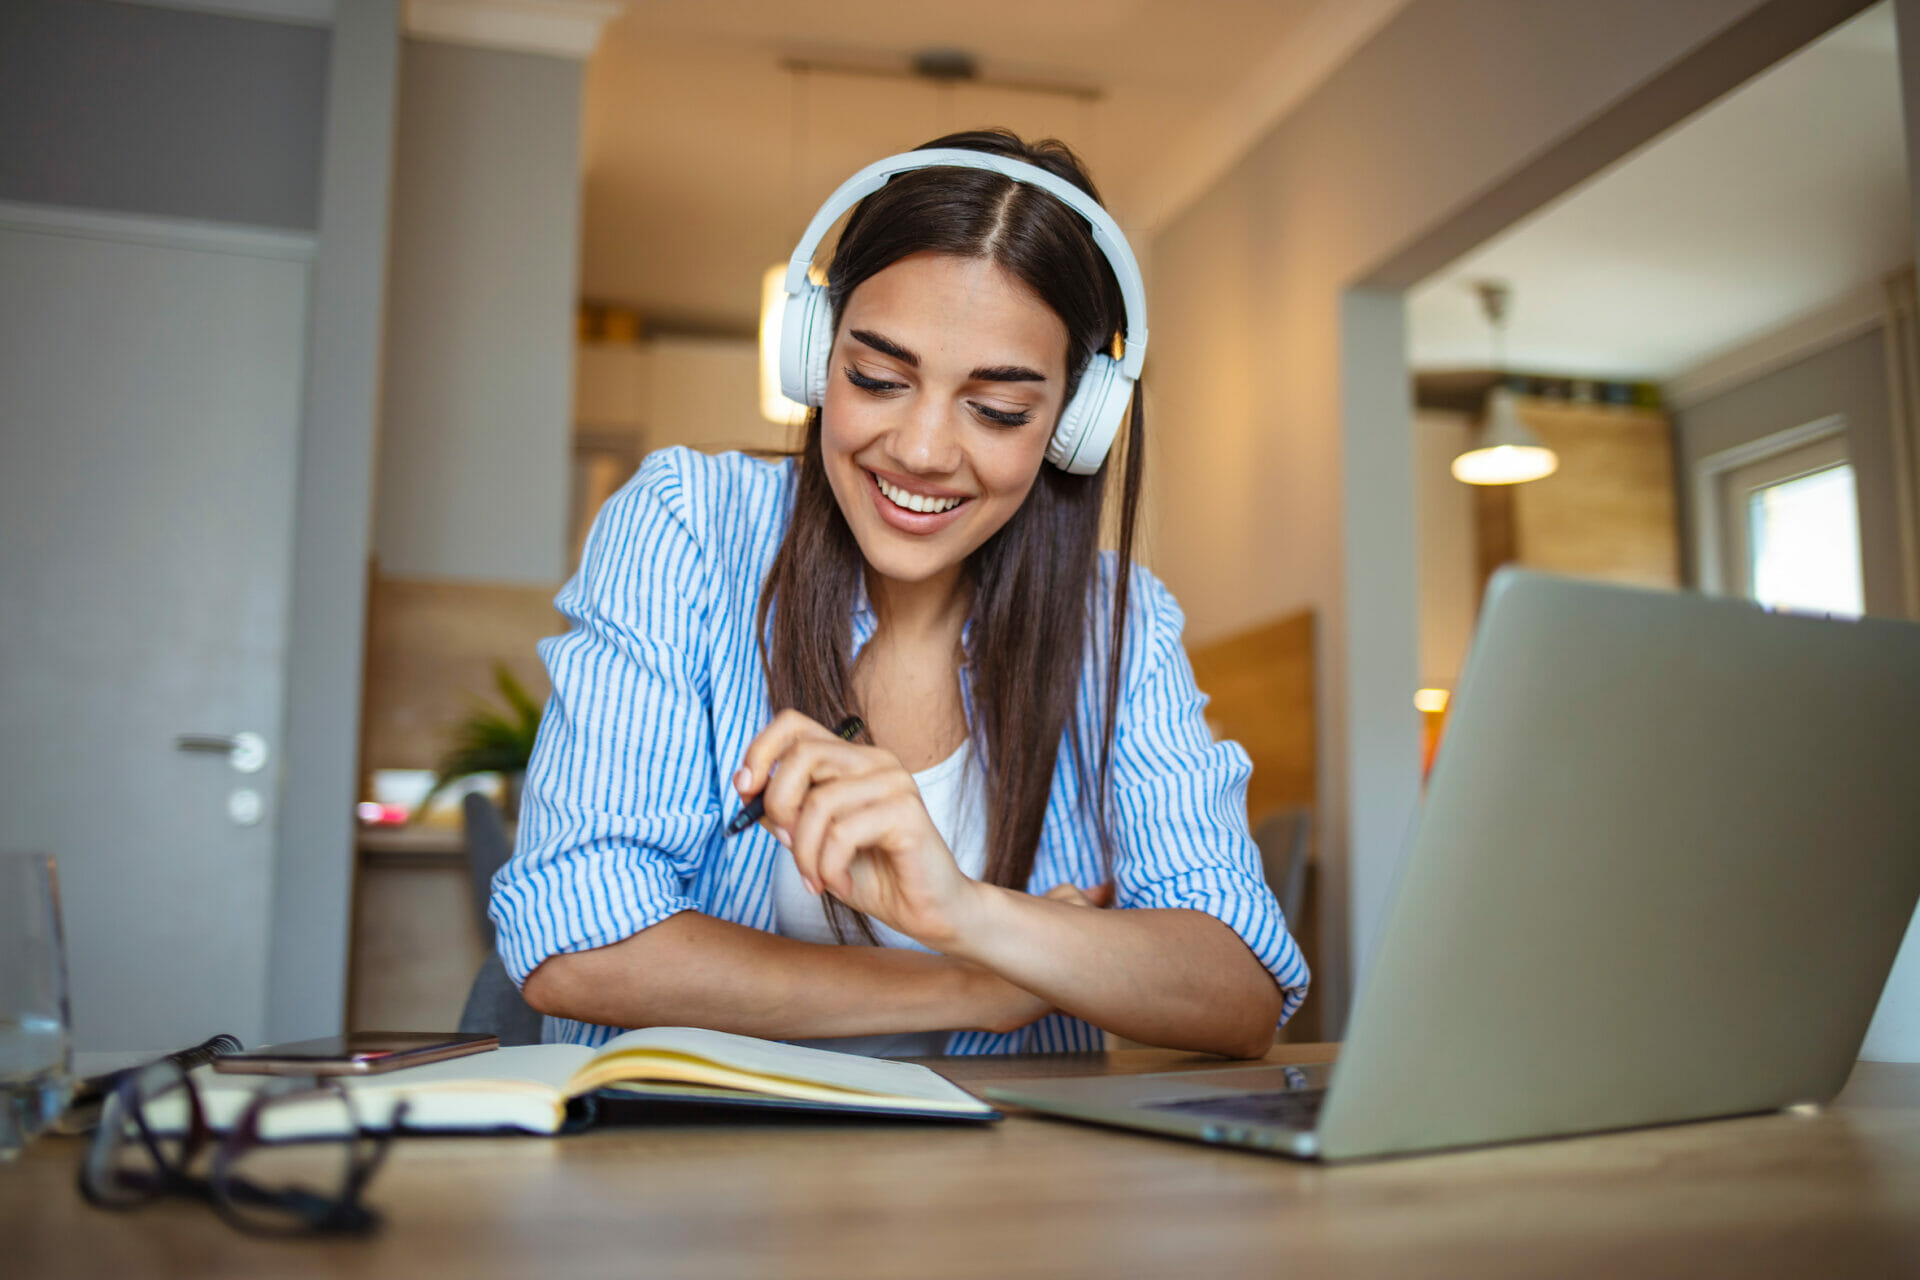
1769,205
705,155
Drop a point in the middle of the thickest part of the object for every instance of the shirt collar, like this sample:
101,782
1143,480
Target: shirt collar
863,619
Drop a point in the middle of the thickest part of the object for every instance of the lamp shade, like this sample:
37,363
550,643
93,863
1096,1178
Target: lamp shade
774,405
1504,451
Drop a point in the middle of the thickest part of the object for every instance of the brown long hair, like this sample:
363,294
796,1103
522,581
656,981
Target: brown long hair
1034,580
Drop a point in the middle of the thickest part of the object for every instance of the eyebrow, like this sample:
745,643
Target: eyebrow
1008,373
985,373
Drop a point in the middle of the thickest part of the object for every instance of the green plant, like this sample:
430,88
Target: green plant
491,738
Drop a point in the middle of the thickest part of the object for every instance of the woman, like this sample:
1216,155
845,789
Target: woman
1035,749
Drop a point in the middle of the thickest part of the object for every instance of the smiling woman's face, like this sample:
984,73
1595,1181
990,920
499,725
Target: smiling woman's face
946,379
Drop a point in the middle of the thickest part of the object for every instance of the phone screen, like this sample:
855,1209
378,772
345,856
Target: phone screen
358,1051
361,1046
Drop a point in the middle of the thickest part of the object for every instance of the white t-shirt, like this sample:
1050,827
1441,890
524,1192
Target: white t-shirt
954,792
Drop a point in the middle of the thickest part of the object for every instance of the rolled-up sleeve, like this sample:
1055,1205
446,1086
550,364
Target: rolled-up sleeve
619,805
1180,817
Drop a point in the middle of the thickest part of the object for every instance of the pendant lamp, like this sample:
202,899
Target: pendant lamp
1504,450
774,405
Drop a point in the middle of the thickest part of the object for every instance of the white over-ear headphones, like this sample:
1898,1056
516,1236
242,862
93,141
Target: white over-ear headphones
1090,421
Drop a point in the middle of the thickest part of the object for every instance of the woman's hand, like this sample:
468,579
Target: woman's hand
853,819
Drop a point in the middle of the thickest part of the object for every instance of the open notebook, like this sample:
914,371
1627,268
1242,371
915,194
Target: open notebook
544,1088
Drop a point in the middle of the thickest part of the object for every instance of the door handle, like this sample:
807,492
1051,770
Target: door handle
245,751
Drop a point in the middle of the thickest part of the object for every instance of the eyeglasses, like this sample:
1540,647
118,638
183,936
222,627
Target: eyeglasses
294,1162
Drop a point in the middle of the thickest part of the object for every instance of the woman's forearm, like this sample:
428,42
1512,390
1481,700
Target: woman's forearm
695,970
1176,978
856,824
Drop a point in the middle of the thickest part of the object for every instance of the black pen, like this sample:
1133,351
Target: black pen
850,728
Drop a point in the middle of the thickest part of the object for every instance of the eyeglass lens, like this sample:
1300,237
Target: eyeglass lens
150,1130
290,1163
293,1161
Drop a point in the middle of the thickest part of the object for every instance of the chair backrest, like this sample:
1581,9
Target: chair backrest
487,851
494,1005
1283,838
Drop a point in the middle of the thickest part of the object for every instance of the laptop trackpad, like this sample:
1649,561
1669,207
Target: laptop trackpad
1153,1088
1288,1108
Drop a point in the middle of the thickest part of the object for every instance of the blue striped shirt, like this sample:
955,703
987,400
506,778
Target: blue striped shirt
658,689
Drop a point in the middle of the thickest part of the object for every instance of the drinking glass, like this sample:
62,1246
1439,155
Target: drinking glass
35,1050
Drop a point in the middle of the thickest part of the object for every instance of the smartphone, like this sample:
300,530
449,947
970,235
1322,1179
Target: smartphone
359,1053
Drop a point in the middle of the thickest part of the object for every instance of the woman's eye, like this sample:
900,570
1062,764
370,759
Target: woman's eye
865,383
1002,417
883,386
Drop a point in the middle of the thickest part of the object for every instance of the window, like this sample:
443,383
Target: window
1791,529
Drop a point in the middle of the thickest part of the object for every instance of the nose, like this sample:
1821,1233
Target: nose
925,443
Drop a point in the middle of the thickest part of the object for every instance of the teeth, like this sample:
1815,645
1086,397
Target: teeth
914,501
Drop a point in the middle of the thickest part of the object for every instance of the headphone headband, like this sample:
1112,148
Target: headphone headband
1106,232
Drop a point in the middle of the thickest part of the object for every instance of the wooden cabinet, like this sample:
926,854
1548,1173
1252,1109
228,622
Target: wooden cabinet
1261,689
1609,511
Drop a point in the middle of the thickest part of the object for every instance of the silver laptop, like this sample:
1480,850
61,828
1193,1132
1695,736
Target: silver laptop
1667,856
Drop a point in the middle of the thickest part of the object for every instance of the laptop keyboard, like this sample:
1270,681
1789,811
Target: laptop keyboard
1293,1108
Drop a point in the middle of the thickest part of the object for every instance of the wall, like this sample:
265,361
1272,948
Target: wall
475,459
1848,379
1895,1033
313,858
1449,577
700,392
1292,486
474,447
431,651
432,642
155,111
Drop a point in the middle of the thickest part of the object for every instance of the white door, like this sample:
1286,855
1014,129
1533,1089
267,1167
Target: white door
150,390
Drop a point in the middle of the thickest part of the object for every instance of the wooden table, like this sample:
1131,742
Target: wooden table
1831,1194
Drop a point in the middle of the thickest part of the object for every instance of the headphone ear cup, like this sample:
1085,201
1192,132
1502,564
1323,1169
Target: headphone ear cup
1092,418
806,340
819,344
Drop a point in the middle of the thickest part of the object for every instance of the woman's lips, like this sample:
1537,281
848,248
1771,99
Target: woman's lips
908,521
